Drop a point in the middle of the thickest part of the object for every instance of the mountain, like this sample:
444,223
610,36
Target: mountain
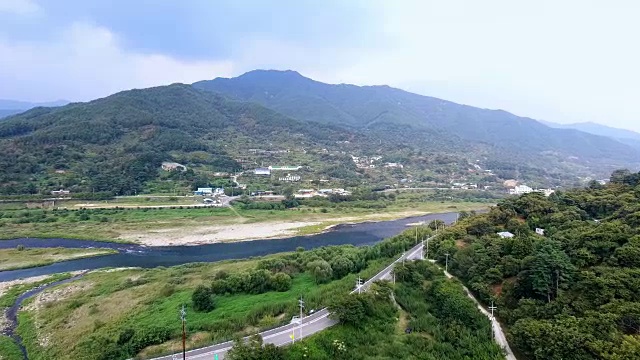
624,136
11,107
117,144
362,107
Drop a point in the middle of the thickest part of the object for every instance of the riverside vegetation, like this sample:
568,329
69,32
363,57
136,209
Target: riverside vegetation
134,312
423,316
573,293
113,224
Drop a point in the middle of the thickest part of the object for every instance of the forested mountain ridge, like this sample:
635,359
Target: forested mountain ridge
118,143
572,293
294,95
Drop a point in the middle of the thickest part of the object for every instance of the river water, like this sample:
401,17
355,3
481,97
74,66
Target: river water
142,256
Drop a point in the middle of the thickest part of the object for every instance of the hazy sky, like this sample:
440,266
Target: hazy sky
563,61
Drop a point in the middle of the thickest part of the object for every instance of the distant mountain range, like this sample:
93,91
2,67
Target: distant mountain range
117,144
628,137
12,107
294,95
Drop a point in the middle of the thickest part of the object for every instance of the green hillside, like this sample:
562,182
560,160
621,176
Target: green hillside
117,144
362,107
572,293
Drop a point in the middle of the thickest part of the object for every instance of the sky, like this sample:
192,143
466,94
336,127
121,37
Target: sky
563,61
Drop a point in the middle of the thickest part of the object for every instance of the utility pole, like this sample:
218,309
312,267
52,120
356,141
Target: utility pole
359,284
428,248
492,308
446,263
422,250
183,317
301,304
416,235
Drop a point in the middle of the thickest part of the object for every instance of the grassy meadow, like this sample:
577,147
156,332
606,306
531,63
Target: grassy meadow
21,258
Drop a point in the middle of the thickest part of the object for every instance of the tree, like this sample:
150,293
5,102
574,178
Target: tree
341,266
253,349
202,299
551,267
320,270
281,282
349,309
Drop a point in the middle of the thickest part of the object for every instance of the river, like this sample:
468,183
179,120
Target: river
130,255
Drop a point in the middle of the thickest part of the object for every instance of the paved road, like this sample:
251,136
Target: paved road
498,334
310,324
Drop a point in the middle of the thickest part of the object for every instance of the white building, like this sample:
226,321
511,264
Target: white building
394,165
520,190
505,234
290,178
546,192
540,231
262,171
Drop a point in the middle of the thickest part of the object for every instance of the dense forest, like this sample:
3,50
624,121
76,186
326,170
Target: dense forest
571,290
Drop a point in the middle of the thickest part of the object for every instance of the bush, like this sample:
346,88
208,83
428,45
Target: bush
20,247
202,299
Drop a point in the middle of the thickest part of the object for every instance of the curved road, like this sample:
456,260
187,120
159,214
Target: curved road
320,320
310,324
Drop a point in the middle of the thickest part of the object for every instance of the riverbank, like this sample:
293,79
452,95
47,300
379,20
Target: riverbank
196,226
79,319
23,258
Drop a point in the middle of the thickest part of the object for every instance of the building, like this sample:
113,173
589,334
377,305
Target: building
546,192
262,171
520,190
394,165
203,191
540,231
285,168
170,166
505,234
60,192
290,178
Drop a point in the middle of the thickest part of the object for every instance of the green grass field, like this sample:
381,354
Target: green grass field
9,350
103,304
11,259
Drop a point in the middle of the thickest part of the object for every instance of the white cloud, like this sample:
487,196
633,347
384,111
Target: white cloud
20,7
86,62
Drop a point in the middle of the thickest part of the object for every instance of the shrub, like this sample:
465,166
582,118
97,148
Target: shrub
202,299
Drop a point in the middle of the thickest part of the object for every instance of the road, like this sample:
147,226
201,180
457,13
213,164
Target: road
498,334
310,324
320,320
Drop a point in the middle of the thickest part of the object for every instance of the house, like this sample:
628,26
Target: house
540,231
60,192
203,191
285,168
262,171
290,178
505,234
394,165
170,166
520,190
546,192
